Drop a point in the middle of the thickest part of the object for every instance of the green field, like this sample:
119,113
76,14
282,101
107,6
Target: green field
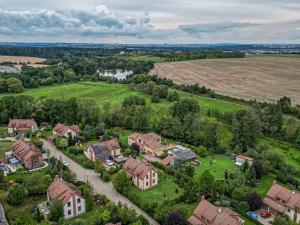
114,94
216,164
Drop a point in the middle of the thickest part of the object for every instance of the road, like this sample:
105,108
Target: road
99,186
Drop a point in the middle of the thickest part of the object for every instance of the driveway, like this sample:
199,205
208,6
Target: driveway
100,187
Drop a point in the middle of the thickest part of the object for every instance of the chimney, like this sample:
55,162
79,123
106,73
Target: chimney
220,210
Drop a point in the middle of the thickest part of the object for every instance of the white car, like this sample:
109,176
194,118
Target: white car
109,162
77,179
65,163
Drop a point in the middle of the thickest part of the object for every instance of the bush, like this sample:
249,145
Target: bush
56,210
16,194
106,177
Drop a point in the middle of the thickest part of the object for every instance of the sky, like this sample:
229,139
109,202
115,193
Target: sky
151,21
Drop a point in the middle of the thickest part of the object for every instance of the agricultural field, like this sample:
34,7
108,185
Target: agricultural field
265,78
19,60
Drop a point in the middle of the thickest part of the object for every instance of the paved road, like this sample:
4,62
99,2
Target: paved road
93,178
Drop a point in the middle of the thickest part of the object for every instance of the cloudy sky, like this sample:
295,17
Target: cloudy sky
150,21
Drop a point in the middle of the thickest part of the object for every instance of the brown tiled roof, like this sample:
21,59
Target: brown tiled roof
245,157
22,123
152,140
62,129
136,168
206,211
277,194
62,191
110,144
24,150
166,161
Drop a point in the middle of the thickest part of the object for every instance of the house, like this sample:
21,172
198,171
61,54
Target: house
62,130
209,214
69,195
142,174
21,126
182,153
28,154
280,200
168,161
241,159
147,143
103,150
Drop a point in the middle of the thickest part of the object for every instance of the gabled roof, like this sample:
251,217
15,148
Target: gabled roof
21,123
166,161
151,140
62,129
206,211
62,191
102,150
278,193
24,150
245,157
136,168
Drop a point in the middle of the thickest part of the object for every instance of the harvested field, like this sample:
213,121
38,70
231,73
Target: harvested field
19,60
265,78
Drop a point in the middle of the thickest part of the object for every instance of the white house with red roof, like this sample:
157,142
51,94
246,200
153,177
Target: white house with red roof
21,126
280,200
209,214
69,195
242,159
63,130
142,174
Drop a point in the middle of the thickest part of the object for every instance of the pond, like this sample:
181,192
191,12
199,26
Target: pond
118,73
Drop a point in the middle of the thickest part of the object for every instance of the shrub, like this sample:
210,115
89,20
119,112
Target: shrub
16,194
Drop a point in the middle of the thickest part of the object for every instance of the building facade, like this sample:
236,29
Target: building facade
69,195
62,130
142,174
280,200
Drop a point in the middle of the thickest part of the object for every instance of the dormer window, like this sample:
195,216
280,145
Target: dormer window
69,204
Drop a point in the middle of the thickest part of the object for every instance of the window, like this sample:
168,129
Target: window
69,204
79,208
69,212
153,181
146,183
147,177
78,200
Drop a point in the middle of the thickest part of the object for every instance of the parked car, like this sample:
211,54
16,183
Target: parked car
109,162
65,163
77,179
252,215
265,214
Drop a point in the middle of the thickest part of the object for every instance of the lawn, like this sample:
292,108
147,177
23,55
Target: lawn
165,190
5,146
3,131
290,153
23,210
216,164
264,185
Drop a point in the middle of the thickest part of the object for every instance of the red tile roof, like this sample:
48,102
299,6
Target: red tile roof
245,157
279,198
62,129
151,140
62,191
136,168
167,161
209,214
24,151
21,123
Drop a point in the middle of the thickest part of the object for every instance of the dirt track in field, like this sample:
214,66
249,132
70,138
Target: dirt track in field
265,78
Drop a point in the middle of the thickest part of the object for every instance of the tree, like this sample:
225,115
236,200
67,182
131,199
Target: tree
245,129
122,183
37,142
175,218
1,176
14,85
61,143
254,201
160,90
99,168
185,106
87,195
206,183
285,104
173,96
56,210
16,194
258,168
279,220
155,98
